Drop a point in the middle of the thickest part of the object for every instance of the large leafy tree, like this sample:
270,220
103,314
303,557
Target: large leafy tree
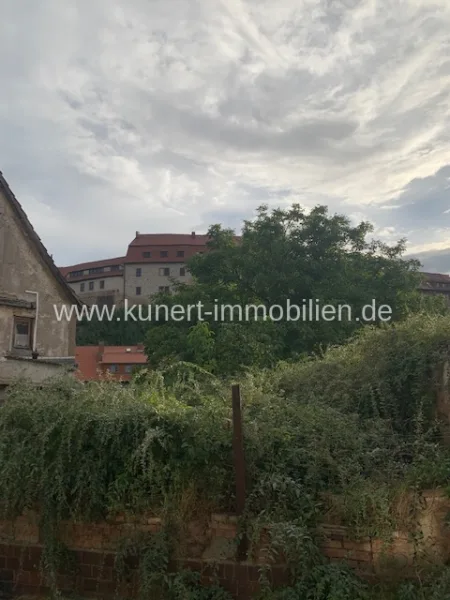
282,256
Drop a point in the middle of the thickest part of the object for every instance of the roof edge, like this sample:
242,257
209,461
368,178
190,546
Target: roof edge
36,241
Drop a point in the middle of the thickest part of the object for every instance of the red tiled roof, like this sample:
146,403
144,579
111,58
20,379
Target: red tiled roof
169,239
107,262
124,358
168,242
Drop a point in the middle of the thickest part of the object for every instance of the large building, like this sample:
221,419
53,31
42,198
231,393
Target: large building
436,283
100,282
152,264
155,261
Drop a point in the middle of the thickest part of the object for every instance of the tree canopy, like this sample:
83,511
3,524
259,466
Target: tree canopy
284,257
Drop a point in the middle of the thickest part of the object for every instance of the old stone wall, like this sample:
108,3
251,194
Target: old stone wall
209,547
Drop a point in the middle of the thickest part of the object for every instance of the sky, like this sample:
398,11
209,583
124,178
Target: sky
171,115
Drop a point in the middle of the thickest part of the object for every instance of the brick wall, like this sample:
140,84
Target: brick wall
95,576
208,546
209,549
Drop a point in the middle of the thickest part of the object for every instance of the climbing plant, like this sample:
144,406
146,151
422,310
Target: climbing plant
350,435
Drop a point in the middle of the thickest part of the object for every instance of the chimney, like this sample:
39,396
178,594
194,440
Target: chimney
193,234
137,234
140,347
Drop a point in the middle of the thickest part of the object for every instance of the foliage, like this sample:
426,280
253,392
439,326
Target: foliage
284,256
349,436
119,331
156,581
387,372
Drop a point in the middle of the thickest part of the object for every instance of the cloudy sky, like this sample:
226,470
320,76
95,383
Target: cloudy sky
170,115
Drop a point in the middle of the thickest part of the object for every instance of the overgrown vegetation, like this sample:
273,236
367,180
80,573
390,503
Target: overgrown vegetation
342,437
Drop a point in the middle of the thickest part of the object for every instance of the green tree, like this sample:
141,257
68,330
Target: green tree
285,256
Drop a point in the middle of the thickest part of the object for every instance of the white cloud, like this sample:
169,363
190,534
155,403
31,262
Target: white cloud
163,116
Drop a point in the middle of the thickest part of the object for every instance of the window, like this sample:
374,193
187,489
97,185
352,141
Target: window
113,369
76,273
138,272
164,288
128,368
116,268
164,254
91,285
147,254
180,252
102,285
82,287
138,291
22,332
182,272
96,270
164,271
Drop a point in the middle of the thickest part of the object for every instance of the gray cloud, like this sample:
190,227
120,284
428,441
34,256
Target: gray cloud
174,114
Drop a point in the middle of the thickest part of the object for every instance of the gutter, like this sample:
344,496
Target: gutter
35,353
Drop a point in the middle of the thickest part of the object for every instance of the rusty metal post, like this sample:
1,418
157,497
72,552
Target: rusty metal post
239,464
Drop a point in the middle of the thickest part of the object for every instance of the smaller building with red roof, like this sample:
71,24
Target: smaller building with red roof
95,363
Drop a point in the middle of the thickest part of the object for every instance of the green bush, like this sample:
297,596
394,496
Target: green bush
339,437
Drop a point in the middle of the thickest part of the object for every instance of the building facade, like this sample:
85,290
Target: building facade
100,282
152,264
436,283
34,342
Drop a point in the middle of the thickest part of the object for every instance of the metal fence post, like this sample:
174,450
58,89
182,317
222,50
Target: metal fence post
239,464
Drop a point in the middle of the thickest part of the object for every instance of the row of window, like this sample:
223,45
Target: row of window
163,254
92,286
127,369
442,285
95,270
163,271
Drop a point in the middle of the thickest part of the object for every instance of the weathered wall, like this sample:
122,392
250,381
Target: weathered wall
208,546
114,286
21,269
150,279
36,371
209,549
